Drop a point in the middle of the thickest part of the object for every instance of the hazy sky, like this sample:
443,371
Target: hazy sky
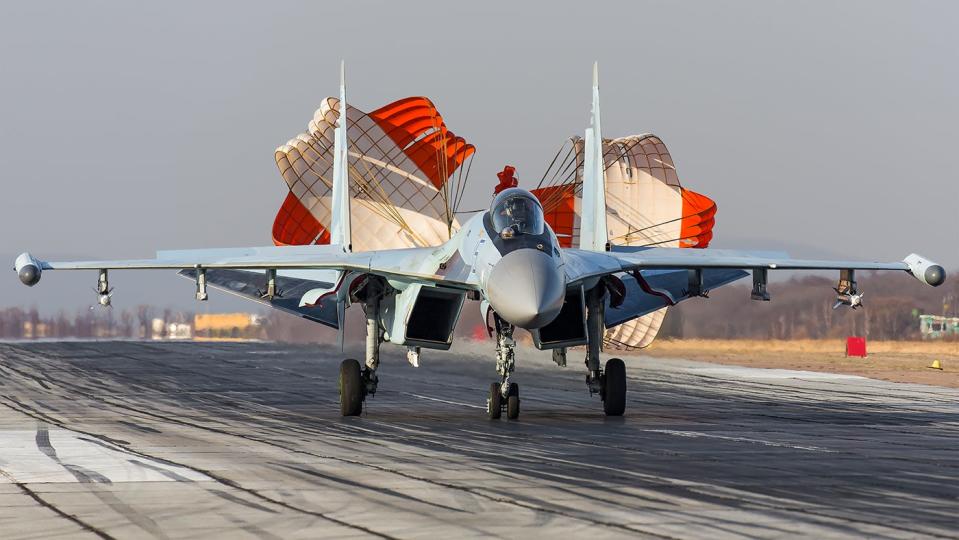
828,128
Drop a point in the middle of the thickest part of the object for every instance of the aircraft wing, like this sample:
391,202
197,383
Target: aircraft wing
412,265
289,291
583,264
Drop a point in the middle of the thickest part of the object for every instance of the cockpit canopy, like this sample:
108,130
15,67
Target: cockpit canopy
519,209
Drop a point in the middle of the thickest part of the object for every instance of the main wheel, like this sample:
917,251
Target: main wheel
614,387
494,405
351,388
512,402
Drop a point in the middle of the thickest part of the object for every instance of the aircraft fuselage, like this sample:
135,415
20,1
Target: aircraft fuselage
520,273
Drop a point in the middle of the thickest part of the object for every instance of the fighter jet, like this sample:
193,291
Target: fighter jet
507,258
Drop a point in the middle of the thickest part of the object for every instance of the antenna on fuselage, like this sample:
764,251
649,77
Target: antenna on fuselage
340,233
593,235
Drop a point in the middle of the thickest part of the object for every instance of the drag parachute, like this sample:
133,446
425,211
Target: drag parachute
645,206
406,177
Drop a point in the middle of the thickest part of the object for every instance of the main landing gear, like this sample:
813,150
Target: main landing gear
355,382
609,383
504,394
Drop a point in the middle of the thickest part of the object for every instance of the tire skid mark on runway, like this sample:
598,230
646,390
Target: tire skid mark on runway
471,491
50,506
356,484
215,477
704,492
480,493
736,498
694,490
83,475
783,508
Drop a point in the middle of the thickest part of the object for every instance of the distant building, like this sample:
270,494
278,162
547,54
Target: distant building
227,325
937,327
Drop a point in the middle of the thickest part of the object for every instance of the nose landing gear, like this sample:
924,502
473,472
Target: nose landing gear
504,394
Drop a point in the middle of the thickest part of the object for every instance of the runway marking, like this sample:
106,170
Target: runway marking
470,405
59,455
733,372
698,434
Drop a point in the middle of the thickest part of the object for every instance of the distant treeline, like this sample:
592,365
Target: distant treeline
801,308
18,323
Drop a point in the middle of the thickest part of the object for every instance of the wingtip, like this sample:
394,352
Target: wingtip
342,72
596,74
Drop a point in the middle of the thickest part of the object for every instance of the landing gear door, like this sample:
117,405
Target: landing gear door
568,329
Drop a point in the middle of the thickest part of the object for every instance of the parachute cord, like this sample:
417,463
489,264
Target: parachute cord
362,186
463,181
551,163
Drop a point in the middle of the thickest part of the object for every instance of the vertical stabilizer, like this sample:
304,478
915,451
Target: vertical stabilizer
340,233
593,235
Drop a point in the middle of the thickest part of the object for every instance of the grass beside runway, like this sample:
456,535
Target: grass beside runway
896,361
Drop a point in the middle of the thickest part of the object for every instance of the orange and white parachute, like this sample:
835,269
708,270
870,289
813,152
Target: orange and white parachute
645,206
406,177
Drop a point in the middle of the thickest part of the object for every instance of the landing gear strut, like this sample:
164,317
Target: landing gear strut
504,393
609,383
356,383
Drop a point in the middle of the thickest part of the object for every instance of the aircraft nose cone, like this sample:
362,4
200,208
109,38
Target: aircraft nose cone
526,288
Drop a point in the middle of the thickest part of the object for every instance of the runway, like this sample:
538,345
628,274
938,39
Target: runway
234,440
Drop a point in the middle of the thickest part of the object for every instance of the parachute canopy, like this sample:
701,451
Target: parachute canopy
645,206
406,176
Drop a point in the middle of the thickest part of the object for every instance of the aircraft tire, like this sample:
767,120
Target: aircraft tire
494,406
351,388
614,387
512,402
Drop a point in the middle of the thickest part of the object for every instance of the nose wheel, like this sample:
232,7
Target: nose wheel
503,394
497,401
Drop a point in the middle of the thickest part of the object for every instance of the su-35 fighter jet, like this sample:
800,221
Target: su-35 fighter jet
508,258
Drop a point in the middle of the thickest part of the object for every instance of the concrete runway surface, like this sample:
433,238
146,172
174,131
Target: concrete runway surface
230,440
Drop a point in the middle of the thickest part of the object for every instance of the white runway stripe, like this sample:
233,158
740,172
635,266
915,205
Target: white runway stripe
698,434
26,457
